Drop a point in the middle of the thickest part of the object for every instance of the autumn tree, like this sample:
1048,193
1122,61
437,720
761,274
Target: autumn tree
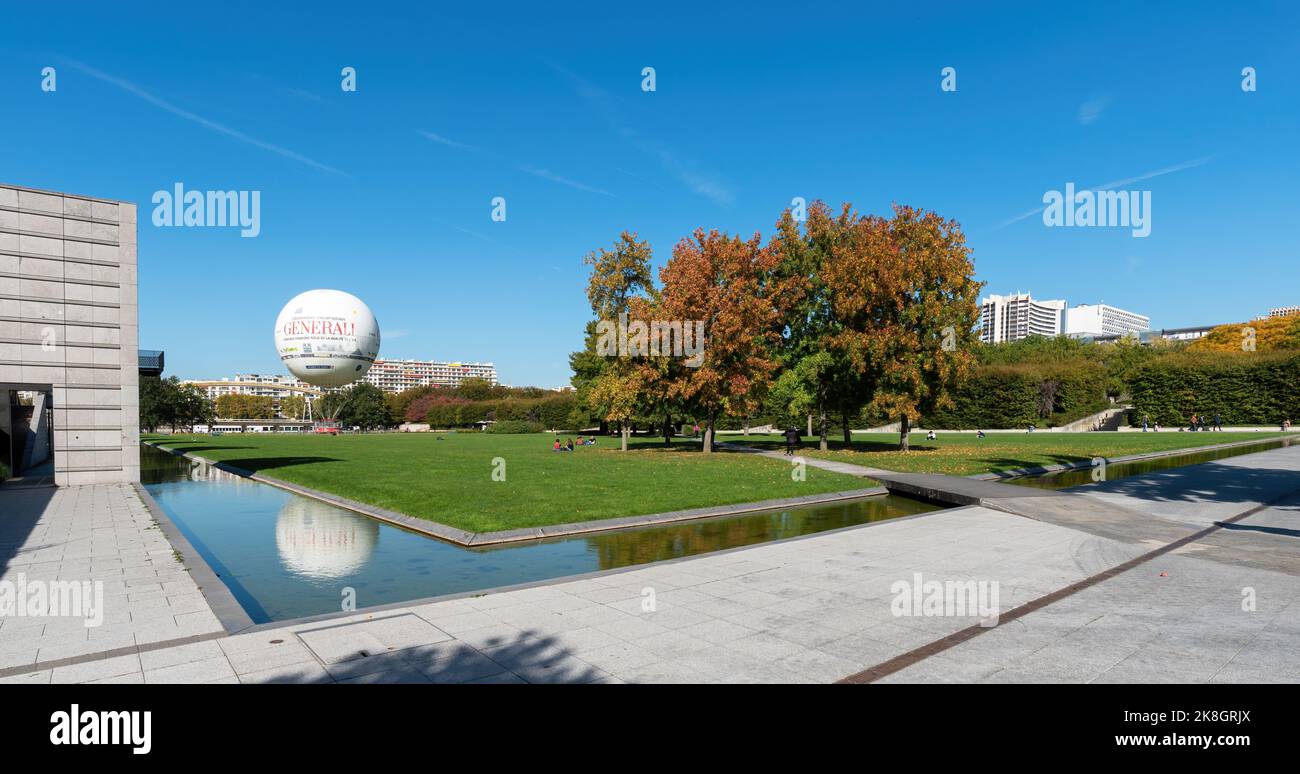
609,384
905,293
1268,334
727,283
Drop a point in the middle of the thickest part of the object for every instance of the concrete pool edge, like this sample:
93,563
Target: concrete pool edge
466,539
216,593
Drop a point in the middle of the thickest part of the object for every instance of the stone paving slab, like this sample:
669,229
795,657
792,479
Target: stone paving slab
1176,619
106,534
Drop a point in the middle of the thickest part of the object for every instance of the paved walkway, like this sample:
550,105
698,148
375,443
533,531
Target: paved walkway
823,607
94,533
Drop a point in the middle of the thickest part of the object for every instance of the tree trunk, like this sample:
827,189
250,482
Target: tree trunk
624,434
668,430
746,425
905,427
810,424
821,427
848,433
708,436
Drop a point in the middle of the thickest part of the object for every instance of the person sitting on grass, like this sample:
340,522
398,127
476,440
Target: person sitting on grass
556,446
930,436
569,445
591,441
979,433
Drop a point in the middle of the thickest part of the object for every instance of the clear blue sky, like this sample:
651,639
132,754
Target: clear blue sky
753,106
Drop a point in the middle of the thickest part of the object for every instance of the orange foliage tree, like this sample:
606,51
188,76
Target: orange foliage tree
727,283
904,293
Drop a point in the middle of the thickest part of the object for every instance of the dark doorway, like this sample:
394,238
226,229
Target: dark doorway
27,436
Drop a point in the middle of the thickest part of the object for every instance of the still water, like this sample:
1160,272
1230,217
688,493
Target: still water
284,556
1118,470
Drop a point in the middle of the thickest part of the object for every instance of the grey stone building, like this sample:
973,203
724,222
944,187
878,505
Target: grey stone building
69,371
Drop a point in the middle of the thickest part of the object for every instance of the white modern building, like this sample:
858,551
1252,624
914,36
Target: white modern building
69,349
387,375
398,375
276,387
1284,311
1093,320
1013,317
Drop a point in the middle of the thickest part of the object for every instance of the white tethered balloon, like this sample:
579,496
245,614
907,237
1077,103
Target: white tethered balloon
327,338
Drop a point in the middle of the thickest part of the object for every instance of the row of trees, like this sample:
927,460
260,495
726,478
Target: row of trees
168,403
245,407
843,312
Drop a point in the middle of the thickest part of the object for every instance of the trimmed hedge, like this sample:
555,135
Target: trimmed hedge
1007,396
1243,388
553,413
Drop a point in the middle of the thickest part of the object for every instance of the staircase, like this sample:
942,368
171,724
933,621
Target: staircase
1110,420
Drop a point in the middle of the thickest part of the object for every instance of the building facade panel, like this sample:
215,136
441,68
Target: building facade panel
68,327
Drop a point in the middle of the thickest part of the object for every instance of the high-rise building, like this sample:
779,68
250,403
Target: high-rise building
398,375
1284,311
1013,317
1092,320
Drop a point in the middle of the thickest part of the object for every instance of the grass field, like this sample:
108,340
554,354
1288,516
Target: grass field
450,481
964,454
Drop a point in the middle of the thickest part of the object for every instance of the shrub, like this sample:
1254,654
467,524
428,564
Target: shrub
1016,395
1244,388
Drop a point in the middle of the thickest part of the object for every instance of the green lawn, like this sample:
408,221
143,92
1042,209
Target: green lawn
450,481
964,454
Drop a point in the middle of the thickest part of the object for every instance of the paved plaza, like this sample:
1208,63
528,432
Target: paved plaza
1223,607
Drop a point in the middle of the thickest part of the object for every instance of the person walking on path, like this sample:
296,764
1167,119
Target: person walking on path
791,441
1144,423
1218,422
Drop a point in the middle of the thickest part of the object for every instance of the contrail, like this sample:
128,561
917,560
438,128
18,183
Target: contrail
198,119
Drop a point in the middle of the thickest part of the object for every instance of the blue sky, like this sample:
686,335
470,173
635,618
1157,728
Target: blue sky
386,192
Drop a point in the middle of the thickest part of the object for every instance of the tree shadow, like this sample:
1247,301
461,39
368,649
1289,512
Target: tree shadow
1204,482
1295,533
529,656
1038,464
258,464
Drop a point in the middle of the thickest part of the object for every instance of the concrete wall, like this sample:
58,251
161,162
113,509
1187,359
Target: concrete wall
68,323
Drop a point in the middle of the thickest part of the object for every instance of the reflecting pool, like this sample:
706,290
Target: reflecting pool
286,556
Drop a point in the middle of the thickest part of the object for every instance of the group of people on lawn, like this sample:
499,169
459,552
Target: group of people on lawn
570,444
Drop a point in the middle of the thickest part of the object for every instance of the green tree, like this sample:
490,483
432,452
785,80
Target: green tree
361,405
817,374
171,403
474,388
608,383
